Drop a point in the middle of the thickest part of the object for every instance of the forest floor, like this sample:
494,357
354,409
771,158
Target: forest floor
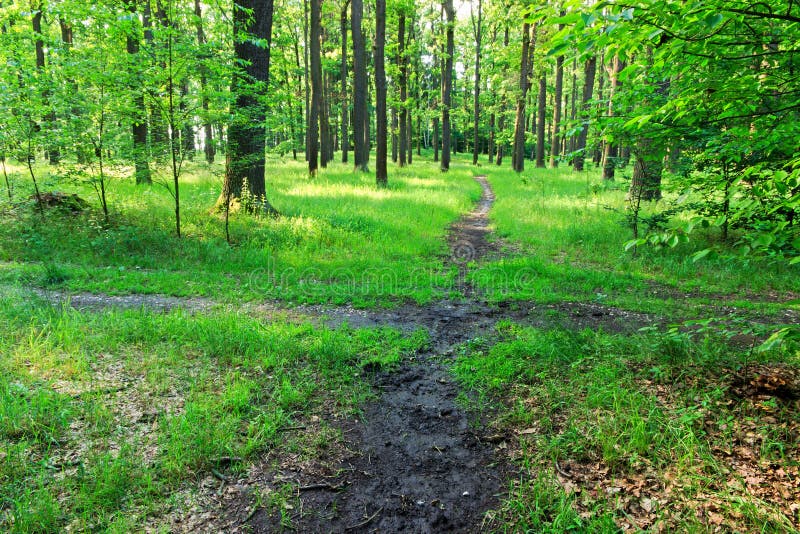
465,413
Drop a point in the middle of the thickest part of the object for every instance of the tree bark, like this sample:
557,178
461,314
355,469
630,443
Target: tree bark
245,157
589,71
381,177
403,83
518,151
360,116
447,83
209,149
477,29
611,149
541,106
555,151
343,29
313,134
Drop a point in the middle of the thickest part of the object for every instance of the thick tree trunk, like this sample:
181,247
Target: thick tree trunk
381,177
588,86
447,83
360,117
316,87
245,157
518,151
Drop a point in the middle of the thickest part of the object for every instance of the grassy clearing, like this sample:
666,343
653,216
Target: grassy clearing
340,238
568,232
643,432
104,416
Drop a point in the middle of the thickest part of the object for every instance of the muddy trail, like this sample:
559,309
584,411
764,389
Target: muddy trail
413,462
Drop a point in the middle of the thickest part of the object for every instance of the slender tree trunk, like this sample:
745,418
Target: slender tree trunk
53,151
307,76
477,28
381,177
209,149
394,135
436,139
447,84
588,86
555,151
343,74
360,116
573,113
245,157
647,168
541,106
611,149
316,88
403,83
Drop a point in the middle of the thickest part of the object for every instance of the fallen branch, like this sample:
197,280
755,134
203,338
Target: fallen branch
290,428
561,471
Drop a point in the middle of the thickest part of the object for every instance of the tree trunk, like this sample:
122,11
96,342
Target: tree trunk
209,149
381,178
403,83
245,157
447,83
588,86
555,151
360,117
394,135
541,106
518,151
343,29
436,139
611,149
477,28
313,134
647,168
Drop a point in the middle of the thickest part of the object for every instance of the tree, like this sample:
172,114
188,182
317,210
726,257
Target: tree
343,74
518,152
447,83
245,157
381,178
316,88
588,84
477,34
139,116
360,116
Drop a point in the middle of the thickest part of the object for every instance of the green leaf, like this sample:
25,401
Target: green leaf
713,20
634,243
697,256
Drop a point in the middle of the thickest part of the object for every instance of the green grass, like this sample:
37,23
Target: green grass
567,233
646,416
104,415
339,239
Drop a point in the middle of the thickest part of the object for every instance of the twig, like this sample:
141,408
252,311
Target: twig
250,515
220,476
321,486
367,521
289,428
558,468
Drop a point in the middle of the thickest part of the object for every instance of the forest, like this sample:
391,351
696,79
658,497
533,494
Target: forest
394,266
